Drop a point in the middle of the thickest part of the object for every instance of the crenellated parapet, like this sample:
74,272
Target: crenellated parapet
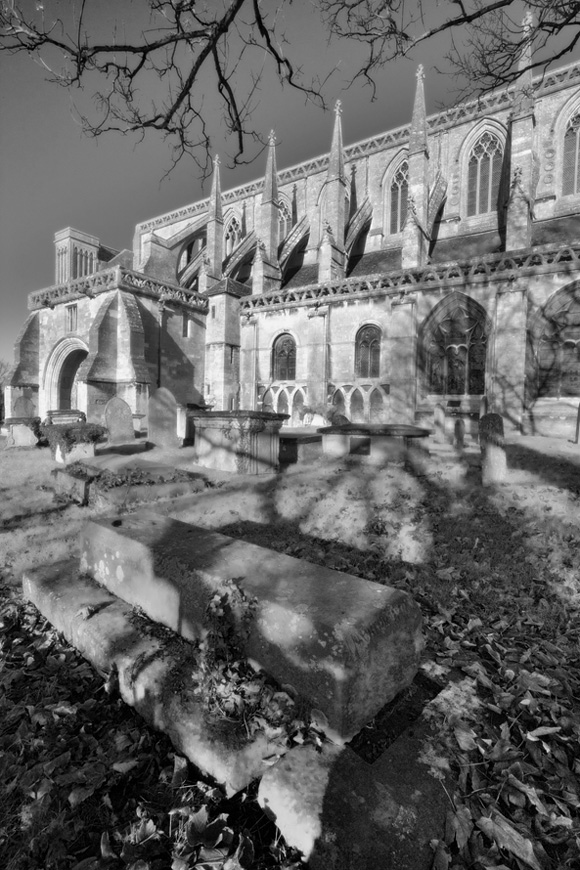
117,278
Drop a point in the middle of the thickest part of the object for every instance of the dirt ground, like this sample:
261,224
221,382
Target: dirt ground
495,570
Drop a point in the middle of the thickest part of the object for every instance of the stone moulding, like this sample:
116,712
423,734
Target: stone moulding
443,275
117,278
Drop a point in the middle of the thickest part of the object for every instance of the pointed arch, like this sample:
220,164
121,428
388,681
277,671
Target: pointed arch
338,402
357,407
553,363
395,184
452,347
282,404
376,406
297,408
483,159
284,358
367,357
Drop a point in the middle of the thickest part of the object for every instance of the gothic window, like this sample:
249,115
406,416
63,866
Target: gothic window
233,236
284,358
285,219
71,318
398,198
484,174
571,168
558,354
455,351
368,352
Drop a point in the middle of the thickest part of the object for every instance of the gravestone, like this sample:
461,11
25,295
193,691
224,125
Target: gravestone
23,407
483,407
21,436
459,434
492,445
119,421
162,419
439,423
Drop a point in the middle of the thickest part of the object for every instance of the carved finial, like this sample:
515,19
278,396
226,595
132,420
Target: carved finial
420,72
528,21
271,138
338,107
216,160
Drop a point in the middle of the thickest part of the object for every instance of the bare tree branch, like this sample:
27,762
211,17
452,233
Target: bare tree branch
163,67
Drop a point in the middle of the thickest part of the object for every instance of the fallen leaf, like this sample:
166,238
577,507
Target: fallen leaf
498,829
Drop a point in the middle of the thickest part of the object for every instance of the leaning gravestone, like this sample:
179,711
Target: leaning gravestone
439,422
162,419
119,421
23,407
459,434
492,445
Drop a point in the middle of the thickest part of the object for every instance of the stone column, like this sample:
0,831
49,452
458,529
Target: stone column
248,362
403,349
317,355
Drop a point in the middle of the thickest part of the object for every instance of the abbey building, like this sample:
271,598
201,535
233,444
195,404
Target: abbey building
432,264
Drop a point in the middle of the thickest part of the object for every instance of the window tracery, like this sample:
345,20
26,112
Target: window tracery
571,162
455,352
233,236
398,196
484,174
558,353
285,219
368,352
284,358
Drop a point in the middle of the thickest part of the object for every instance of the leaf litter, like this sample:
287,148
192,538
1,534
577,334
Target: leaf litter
87,785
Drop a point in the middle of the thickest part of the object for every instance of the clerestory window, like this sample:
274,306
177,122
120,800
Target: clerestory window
398,193
570,171
484,175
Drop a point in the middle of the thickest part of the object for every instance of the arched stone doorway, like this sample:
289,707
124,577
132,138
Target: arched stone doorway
61,389
67,383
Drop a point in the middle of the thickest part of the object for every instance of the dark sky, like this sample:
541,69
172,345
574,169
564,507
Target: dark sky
51,176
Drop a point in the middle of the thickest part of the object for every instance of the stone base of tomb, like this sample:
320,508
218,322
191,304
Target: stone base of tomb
103,629
243,442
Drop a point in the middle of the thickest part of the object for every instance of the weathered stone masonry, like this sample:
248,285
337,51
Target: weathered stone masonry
431,264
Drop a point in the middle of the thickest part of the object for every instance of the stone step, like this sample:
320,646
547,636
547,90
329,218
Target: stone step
153,673
346,645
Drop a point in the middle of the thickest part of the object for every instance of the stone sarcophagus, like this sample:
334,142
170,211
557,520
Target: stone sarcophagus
243,442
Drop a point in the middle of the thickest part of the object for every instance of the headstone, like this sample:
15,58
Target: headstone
162,419
492,445
439,423
23,407
21,436
459,434
483,406
119,421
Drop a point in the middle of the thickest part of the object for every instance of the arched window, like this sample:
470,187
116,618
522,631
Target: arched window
284,358
233,236
455,347
558,353
398,193
571,169
367,360
285,219
484,174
